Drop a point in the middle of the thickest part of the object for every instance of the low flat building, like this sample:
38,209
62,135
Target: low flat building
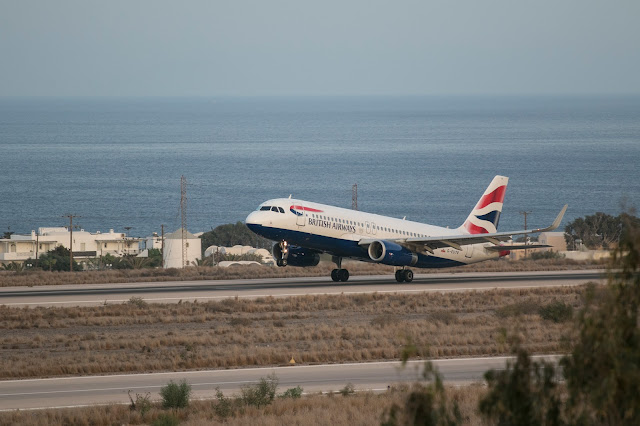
18,248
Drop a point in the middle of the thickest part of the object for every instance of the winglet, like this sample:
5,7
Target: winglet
556,222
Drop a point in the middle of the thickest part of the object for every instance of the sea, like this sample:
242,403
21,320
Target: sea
117,163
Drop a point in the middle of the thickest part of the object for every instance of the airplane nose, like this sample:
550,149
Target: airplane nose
253,219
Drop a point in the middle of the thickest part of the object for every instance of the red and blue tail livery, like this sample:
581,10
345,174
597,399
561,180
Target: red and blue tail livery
315,228
485,215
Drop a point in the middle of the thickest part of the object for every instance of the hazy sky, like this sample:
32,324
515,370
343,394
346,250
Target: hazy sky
327,47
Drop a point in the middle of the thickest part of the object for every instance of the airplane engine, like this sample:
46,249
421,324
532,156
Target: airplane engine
296,256
390,253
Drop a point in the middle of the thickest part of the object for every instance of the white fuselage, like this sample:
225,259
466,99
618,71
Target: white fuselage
337,231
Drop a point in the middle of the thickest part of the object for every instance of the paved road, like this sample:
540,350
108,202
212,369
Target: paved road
86,390
174,291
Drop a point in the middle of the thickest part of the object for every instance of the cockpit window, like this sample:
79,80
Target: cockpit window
281,209
274,209
265,208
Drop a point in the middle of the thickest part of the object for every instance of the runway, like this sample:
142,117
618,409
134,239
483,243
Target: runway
174,291
88,390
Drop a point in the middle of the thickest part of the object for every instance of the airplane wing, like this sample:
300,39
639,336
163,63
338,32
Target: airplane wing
429,244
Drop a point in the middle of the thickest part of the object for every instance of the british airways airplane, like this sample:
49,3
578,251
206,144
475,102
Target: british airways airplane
305,229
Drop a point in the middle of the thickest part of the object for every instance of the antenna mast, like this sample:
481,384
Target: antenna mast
183,210
354,197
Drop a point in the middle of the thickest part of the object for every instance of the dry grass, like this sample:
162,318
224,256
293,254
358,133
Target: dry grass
135,337
359,409
36,278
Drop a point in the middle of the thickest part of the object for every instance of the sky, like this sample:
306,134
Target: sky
328,47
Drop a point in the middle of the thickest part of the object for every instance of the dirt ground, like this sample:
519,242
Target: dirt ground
136,337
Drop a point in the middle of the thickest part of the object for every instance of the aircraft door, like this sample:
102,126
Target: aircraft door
373,228
368,227
301,218
468,251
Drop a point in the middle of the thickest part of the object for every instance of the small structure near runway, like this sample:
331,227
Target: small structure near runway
173,247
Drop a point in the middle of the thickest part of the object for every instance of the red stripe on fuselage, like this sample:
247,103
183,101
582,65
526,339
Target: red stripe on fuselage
307,209
497,196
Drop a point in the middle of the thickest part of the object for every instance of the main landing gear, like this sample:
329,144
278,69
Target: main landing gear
339,274
283,253
404,275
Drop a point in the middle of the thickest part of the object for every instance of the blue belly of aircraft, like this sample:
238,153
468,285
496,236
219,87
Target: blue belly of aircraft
339,247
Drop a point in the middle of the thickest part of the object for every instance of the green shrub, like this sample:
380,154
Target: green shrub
261,394
349,389
549,254
138,302
165,419
525,393
557,312
425,404
224,406
175,395
293,393
142,403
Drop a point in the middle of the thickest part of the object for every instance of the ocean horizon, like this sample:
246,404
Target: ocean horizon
117,162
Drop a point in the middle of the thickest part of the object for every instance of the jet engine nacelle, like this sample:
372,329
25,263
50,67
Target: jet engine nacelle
390,253
297,256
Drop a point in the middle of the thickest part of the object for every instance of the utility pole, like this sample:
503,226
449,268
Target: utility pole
525,214
183,210
70,216
37,245
127,243
162,245
354,197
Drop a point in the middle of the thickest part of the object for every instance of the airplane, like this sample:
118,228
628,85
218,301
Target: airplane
303,230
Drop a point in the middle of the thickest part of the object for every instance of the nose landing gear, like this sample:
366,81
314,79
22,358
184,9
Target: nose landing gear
404,275
282,249
339,274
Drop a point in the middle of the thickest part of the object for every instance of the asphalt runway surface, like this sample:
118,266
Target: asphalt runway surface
174,291
376,376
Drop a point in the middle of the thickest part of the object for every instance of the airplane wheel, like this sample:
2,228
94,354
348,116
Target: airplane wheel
281,262
399,275
407,275
343,275
334,275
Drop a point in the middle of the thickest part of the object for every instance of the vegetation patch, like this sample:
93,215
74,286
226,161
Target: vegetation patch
140,337
556,311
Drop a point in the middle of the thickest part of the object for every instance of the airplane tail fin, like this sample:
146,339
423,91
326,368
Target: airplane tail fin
484,217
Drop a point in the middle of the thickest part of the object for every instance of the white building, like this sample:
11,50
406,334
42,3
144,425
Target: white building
173,249
18,248
267,257
153,241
